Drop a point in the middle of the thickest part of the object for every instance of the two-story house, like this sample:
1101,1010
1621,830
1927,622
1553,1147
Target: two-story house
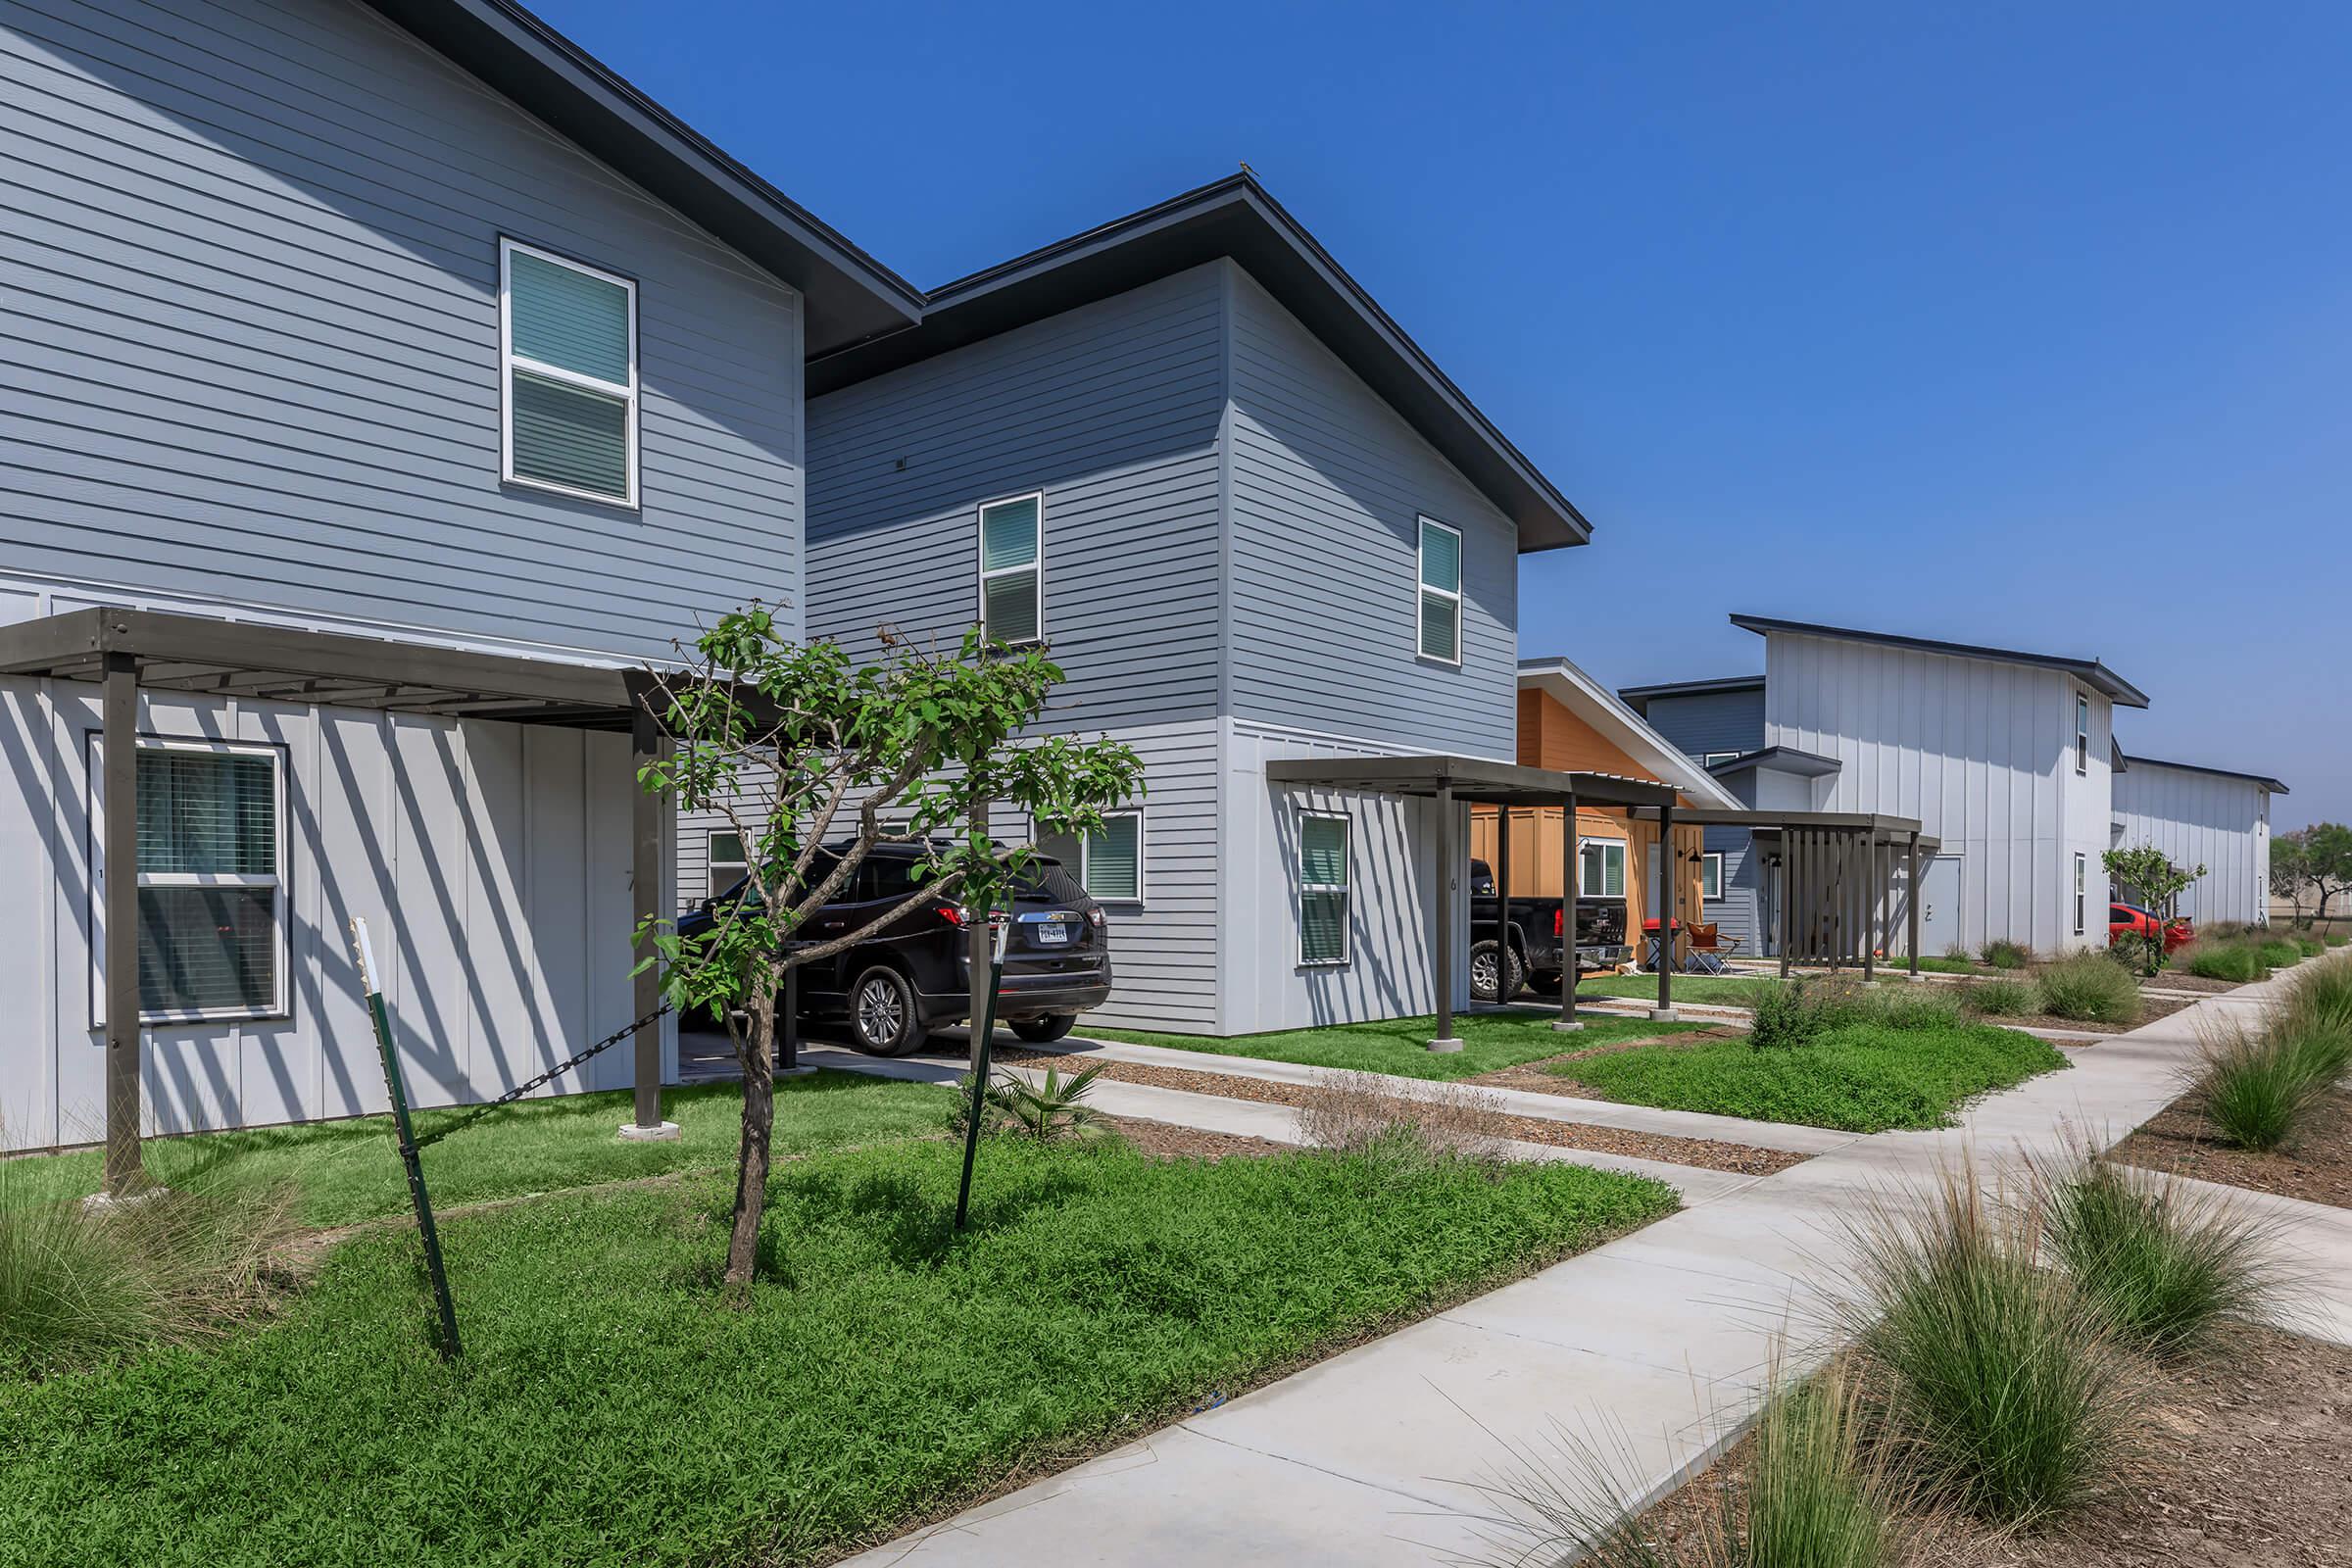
2004,757
1253,523
2210,816
380,382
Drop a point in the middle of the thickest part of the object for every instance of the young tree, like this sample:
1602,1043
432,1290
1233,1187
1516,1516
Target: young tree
2290,868
815,760
2157,881
2329,845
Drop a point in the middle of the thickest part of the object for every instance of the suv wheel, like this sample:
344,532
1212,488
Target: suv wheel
1496,973
882,1016
1038,1031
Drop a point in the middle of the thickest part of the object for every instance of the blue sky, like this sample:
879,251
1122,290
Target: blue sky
2022,325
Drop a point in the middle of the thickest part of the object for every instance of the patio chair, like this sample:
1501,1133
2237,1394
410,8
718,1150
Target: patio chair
1709,947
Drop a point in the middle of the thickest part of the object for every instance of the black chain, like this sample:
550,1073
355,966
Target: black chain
545,1078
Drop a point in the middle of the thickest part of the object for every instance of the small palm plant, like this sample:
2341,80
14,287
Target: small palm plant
1050,1109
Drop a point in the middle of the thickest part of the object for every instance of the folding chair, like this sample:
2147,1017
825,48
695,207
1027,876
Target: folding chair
1709,949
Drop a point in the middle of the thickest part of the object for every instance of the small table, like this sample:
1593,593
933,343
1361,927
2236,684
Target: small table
1652,953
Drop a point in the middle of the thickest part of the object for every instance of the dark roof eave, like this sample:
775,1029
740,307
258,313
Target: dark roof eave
1782,759
2263,779
848,296
1232,218
1635,696
2090,670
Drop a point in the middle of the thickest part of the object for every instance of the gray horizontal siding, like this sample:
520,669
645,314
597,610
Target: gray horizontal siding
1740,911
1710,721
1111,410
1328,485
250,342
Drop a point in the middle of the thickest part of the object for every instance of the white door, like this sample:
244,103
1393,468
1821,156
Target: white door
1939,905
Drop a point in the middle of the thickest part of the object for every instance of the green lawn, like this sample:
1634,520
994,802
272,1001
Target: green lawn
1729,990
610,1411
1401,1045
350,1170
1861,1077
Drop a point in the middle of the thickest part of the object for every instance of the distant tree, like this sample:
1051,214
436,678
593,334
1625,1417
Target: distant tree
2329,847
2157,881
787,740
2290,868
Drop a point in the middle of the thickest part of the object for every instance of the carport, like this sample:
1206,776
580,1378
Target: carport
130,651
1467,780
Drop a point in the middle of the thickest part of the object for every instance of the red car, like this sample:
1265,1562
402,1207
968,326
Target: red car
2131,920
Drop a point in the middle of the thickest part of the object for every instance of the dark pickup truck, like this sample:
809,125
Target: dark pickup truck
1535,957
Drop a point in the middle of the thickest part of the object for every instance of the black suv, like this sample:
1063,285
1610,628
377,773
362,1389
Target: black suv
912,976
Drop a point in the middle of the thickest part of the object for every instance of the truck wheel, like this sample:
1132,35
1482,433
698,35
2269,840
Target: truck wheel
1544,982
1496,974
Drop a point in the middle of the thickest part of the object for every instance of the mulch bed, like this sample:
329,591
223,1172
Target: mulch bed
1706,1153
2247,1461
2183,980
1166,1141
2317,1168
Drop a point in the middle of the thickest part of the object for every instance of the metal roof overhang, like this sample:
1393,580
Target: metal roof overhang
1234,217
2090,671
205,656
1878,826
1470,779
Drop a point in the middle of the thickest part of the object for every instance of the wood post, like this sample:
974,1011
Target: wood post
1569,864
118,863
646,742
1786,883
1911,901
1668,874
1442,968
1870,895
1502,903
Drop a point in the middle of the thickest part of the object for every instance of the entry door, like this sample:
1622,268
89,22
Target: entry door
1939,905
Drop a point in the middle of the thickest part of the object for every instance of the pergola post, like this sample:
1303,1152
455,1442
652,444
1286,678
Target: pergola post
1568,1020
646,808
1870,904
1911,901
1449,871
1787,885
118,721
1663,1013
1502,904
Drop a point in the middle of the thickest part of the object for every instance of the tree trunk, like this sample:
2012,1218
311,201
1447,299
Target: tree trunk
759,1128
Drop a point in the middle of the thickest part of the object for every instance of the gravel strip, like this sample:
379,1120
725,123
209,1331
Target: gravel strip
1706,1153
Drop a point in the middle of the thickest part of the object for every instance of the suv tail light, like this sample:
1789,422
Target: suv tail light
1560,921
953,913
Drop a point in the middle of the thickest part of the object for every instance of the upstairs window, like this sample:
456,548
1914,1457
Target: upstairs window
1109,863
211,873
568,352
1441,592
1322,888
1711,759
1601,868
1012,570
2081,733
726,864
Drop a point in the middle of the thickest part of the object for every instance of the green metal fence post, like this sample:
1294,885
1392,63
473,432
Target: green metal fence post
450,1348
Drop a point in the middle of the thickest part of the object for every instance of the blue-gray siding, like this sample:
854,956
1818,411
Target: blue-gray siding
1710,721
249,343
1112,411
1329,484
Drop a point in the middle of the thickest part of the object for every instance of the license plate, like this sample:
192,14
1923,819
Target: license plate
1053,934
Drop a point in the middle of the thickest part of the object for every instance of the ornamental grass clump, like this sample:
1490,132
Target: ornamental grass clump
1903,1006
1780,1019
2255,1086
2089,987
2223,959
2320,998
1359,1113
2004,953
2002,1385
2163,1264
1999,999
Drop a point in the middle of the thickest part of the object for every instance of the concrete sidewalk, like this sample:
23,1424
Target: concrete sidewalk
1658,1342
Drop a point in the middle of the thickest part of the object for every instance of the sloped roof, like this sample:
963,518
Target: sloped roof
2263,779
1595,705
2089,672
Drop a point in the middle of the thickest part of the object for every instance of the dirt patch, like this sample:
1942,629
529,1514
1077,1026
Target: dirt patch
2317,1168
2183,980
1165,1140
2248,1460
1706,1153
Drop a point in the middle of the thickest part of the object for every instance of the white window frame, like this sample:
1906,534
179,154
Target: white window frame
981,569
713,887
1708,760
1086,857
279,1004
509,361
2082,734
2082,890
1624,860
1422,589
1710,862
1346,890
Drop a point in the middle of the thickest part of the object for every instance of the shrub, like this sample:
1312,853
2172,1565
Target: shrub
2163,1264
1360,1113
1916,1006
2000,1376
1782,1018
2336,939
2309,946
1999,999
2254,1086
2321,998
78,1286
2276,950
2007,955
2219,958
2087,987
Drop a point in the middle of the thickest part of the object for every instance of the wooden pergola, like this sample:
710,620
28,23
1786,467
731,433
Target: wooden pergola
1836,872
130,651
1468,780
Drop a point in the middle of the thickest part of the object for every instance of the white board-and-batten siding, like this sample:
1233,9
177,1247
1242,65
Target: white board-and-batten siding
2198,818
